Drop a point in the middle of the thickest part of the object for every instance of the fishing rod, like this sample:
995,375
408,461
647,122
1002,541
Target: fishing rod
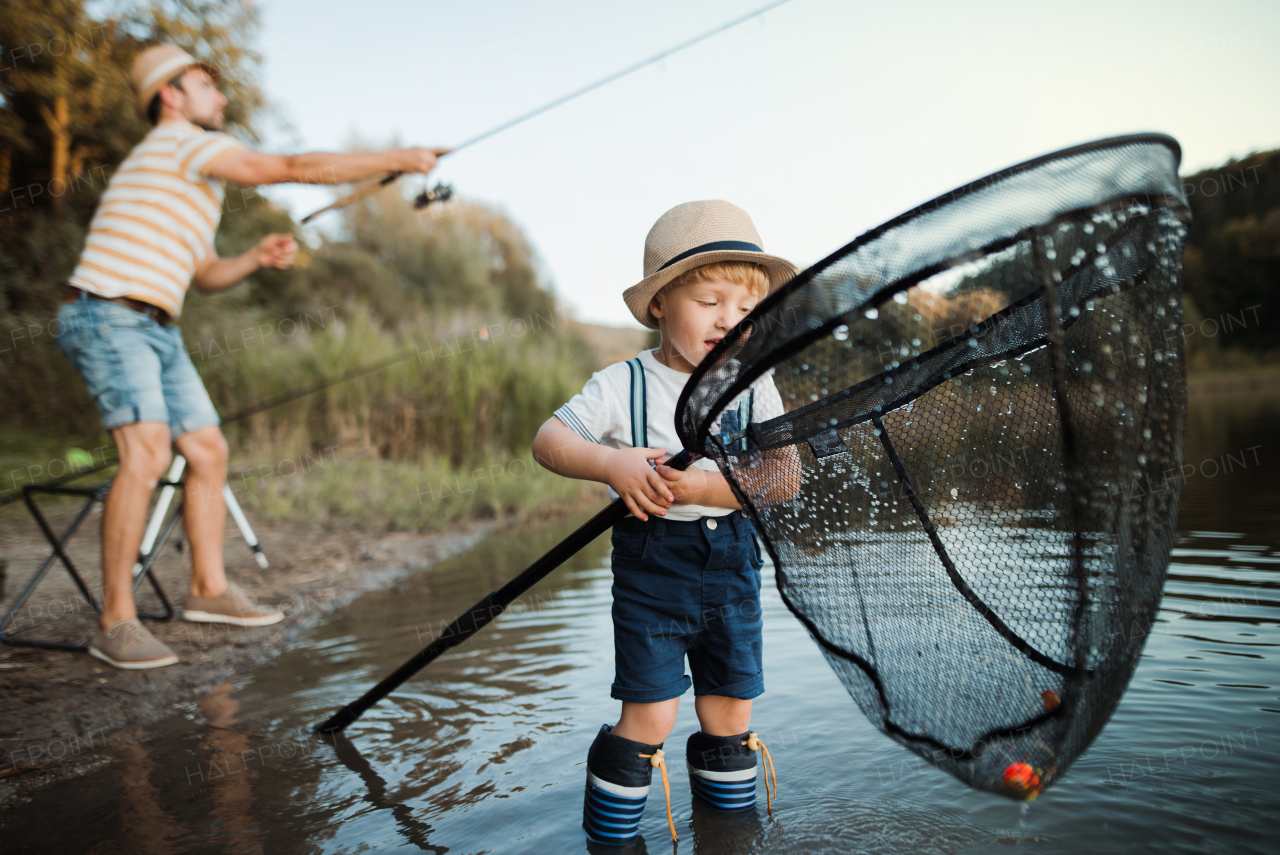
491,606
442,192
439,193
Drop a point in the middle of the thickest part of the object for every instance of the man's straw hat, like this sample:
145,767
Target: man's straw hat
155,67
694,234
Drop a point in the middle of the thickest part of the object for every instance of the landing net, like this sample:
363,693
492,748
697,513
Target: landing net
970,499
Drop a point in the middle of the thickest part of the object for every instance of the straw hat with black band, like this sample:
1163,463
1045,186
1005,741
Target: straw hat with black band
155,67
694,234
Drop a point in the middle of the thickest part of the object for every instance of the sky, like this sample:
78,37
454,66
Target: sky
822,118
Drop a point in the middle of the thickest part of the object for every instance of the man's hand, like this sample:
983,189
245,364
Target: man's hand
641,488
276,251
421,160
215,274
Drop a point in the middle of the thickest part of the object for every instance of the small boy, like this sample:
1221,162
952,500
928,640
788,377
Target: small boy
686,565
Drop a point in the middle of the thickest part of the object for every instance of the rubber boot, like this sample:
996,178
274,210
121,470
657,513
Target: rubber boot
617,787
722,771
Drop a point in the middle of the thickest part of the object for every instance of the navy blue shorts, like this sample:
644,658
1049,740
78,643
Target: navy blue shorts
686,588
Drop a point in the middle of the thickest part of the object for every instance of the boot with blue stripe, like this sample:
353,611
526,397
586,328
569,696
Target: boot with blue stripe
618,775
722,770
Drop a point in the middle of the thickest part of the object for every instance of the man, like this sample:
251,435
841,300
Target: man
150,239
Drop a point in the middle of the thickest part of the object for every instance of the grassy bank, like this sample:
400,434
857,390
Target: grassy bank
335,485
372,493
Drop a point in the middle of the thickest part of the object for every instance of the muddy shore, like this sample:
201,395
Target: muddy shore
64,713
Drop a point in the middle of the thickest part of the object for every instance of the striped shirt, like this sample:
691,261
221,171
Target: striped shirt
157,218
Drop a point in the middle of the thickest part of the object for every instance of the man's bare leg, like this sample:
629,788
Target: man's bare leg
204,509
144,453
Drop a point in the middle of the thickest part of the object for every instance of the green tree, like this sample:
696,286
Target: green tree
1232,262
67,117
460,255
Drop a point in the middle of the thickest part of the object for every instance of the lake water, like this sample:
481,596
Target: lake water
485,750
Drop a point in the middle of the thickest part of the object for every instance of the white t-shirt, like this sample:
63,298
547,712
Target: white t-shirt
601,413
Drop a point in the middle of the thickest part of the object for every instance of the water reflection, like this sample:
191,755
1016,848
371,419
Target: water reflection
146,828
411,829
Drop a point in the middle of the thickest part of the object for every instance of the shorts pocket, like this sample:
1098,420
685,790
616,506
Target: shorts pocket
628,544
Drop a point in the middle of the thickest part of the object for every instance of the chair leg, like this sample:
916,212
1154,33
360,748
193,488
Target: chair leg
94,494
243,524
144,567
59,552
156,535
157,516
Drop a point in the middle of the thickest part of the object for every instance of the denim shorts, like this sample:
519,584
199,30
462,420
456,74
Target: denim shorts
136,370
686,588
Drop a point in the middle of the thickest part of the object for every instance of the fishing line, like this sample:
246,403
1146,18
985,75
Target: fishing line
442,192
616,76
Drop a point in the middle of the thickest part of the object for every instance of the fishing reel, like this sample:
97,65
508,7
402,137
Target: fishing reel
439,193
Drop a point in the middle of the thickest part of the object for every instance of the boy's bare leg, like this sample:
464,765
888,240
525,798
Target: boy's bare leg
144,453
204,511
721,716
648,723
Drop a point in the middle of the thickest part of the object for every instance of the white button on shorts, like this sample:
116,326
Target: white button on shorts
711,524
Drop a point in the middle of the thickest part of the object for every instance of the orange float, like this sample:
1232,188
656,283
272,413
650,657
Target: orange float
1021,780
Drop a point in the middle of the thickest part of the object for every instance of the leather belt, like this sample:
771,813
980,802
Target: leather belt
156,313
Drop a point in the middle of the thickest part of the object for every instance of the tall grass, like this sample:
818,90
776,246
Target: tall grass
442,434
357,489
453,393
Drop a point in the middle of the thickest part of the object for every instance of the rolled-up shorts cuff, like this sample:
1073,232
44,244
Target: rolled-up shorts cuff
151,413
743,690
653,696
193,423
134,413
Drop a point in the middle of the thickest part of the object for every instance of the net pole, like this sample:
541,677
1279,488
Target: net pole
482,613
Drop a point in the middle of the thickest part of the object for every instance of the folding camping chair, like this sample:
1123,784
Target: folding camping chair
159,527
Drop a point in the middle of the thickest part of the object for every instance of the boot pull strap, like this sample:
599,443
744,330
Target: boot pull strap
753,742
657,759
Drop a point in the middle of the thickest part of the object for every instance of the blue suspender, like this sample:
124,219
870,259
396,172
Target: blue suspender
730,422
639,405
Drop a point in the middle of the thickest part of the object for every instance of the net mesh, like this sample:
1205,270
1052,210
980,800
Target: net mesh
970,498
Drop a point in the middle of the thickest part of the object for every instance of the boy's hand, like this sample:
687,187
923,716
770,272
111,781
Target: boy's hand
641,488
688,486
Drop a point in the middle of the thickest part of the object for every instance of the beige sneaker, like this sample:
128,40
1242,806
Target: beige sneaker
129,645
231,606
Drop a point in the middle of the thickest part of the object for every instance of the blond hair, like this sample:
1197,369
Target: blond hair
746,273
